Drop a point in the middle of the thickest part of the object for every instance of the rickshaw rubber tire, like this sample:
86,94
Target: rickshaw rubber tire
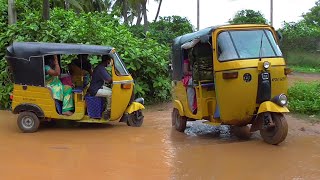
31,115
180,122
133,122
280,131
242,132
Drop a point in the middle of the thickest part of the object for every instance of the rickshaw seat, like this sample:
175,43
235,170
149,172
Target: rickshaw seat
208,85
77,90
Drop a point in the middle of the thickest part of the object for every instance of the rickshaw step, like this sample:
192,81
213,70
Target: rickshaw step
212,123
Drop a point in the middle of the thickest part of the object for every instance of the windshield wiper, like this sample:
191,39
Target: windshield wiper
260,52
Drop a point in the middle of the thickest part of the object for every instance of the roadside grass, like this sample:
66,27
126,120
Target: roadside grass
307,62
304,99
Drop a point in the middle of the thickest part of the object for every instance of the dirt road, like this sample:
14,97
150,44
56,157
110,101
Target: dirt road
155,151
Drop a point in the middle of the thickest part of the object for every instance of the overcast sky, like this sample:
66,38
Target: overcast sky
215,12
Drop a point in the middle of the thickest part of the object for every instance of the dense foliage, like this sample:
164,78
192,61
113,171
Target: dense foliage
145,58
248,16
305,98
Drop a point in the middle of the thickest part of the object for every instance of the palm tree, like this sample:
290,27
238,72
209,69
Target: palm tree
12,14
158,11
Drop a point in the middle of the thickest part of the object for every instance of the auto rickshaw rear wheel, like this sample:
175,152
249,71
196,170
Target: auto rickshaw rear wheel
135,119
242,132
180,122
28,122
278,133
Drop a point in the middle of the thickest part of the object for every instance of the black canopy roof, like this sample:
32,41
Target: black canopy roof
27,49
198,34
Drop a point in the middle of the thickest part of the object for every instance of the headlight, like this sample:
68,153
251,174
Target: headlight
281,100
266,64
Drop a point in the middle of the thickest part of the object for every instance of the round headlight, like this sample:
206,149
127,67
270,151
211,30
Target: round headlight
283,99
266,64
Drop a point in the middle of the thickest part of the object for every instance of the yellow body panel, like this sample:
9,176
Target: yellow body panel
205,100
134,106
120,97
269,106
41,96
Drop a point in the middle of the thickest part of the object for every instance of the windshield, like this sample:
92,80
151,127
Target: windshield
119,66
247,45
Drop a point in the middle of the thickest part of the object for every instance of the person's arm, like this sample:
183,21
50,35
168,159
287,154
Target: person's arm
56,70
105,75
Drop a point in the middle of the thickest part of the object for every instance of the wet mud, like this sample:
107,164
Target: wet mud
155,151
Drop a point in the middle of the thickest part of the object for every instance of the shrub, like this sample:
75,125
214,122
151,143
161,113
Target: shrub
305,97
145,59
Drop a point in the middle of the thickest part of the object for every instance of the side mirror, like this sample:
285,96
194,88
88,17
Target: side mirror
280,37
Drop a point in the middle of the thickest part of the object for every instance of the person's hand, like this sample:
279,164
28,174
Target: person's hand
55,60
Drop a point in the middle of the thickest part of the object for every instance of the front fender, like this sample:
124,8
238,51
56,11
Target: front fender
269,106
177,104
134,106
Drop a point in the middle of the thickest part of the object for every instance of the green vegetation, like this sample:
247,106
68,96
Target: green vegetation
305,98
146,59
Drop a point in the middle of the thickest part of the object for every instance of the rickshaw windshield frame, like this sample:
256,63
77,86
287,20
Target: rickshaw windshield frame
121,69
247,44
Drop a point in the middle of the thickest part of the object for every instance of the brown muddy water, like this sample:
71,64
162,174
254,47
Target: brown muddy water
155,151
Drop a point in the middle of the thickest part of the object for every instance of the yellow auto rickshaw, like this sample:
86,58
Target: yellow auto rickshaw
34,102
238,76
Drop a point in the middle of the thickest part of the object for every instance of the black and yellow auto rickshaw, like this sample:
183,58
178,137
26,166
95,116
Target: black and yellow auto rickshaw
238,76
33,100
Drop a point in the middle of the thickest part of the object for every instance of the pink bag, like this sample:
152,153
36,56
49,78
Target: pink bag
66,81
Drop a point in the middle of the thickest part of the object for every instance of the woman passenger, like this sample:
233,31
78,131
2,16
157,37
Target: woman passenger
60,92
187,82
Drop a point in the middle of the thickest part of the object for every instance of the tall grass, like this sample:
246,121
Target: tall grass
303,61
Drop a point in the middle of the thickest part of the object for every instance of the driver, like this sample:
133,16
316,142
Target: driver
99,76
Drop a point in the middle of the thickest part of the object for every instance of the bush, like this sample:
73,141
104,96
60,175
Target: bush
305,98
145,59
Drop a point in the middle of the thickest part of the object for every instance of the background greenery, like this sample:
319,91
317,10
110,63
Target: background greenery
146,55
145,48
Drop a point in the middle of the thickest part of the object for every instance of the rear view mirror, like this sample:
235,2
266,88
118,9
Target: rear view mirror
280,37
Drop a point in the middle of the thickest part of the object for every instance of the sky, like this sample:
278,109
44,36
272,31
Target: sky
218,12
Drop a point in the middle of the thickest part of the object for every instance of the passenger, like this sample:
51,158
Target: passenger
187,82
81,67
99,76
59,91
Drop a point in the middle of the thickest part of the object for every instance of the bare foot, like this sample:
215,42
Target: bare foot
67,113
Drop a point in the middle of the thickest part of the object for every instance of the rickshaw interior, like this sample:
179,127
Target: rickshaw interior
28,69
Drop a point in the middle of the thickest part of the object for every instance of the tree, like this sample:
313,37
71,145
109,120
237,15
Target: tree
45,10
158,11
12,14
248,16
313,17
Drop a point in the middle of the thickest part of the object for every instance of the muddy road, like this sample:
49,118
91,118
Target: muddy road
155,151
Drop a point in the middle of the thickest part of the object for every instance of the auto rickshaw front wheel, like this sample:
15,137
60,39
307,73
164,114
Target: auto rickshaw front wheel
180,122
135,119
278,133
28,122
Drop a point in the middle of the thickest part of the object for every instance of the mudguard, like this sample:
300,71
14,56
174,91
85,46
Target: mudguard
134,106
269,106
177,104
29,107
